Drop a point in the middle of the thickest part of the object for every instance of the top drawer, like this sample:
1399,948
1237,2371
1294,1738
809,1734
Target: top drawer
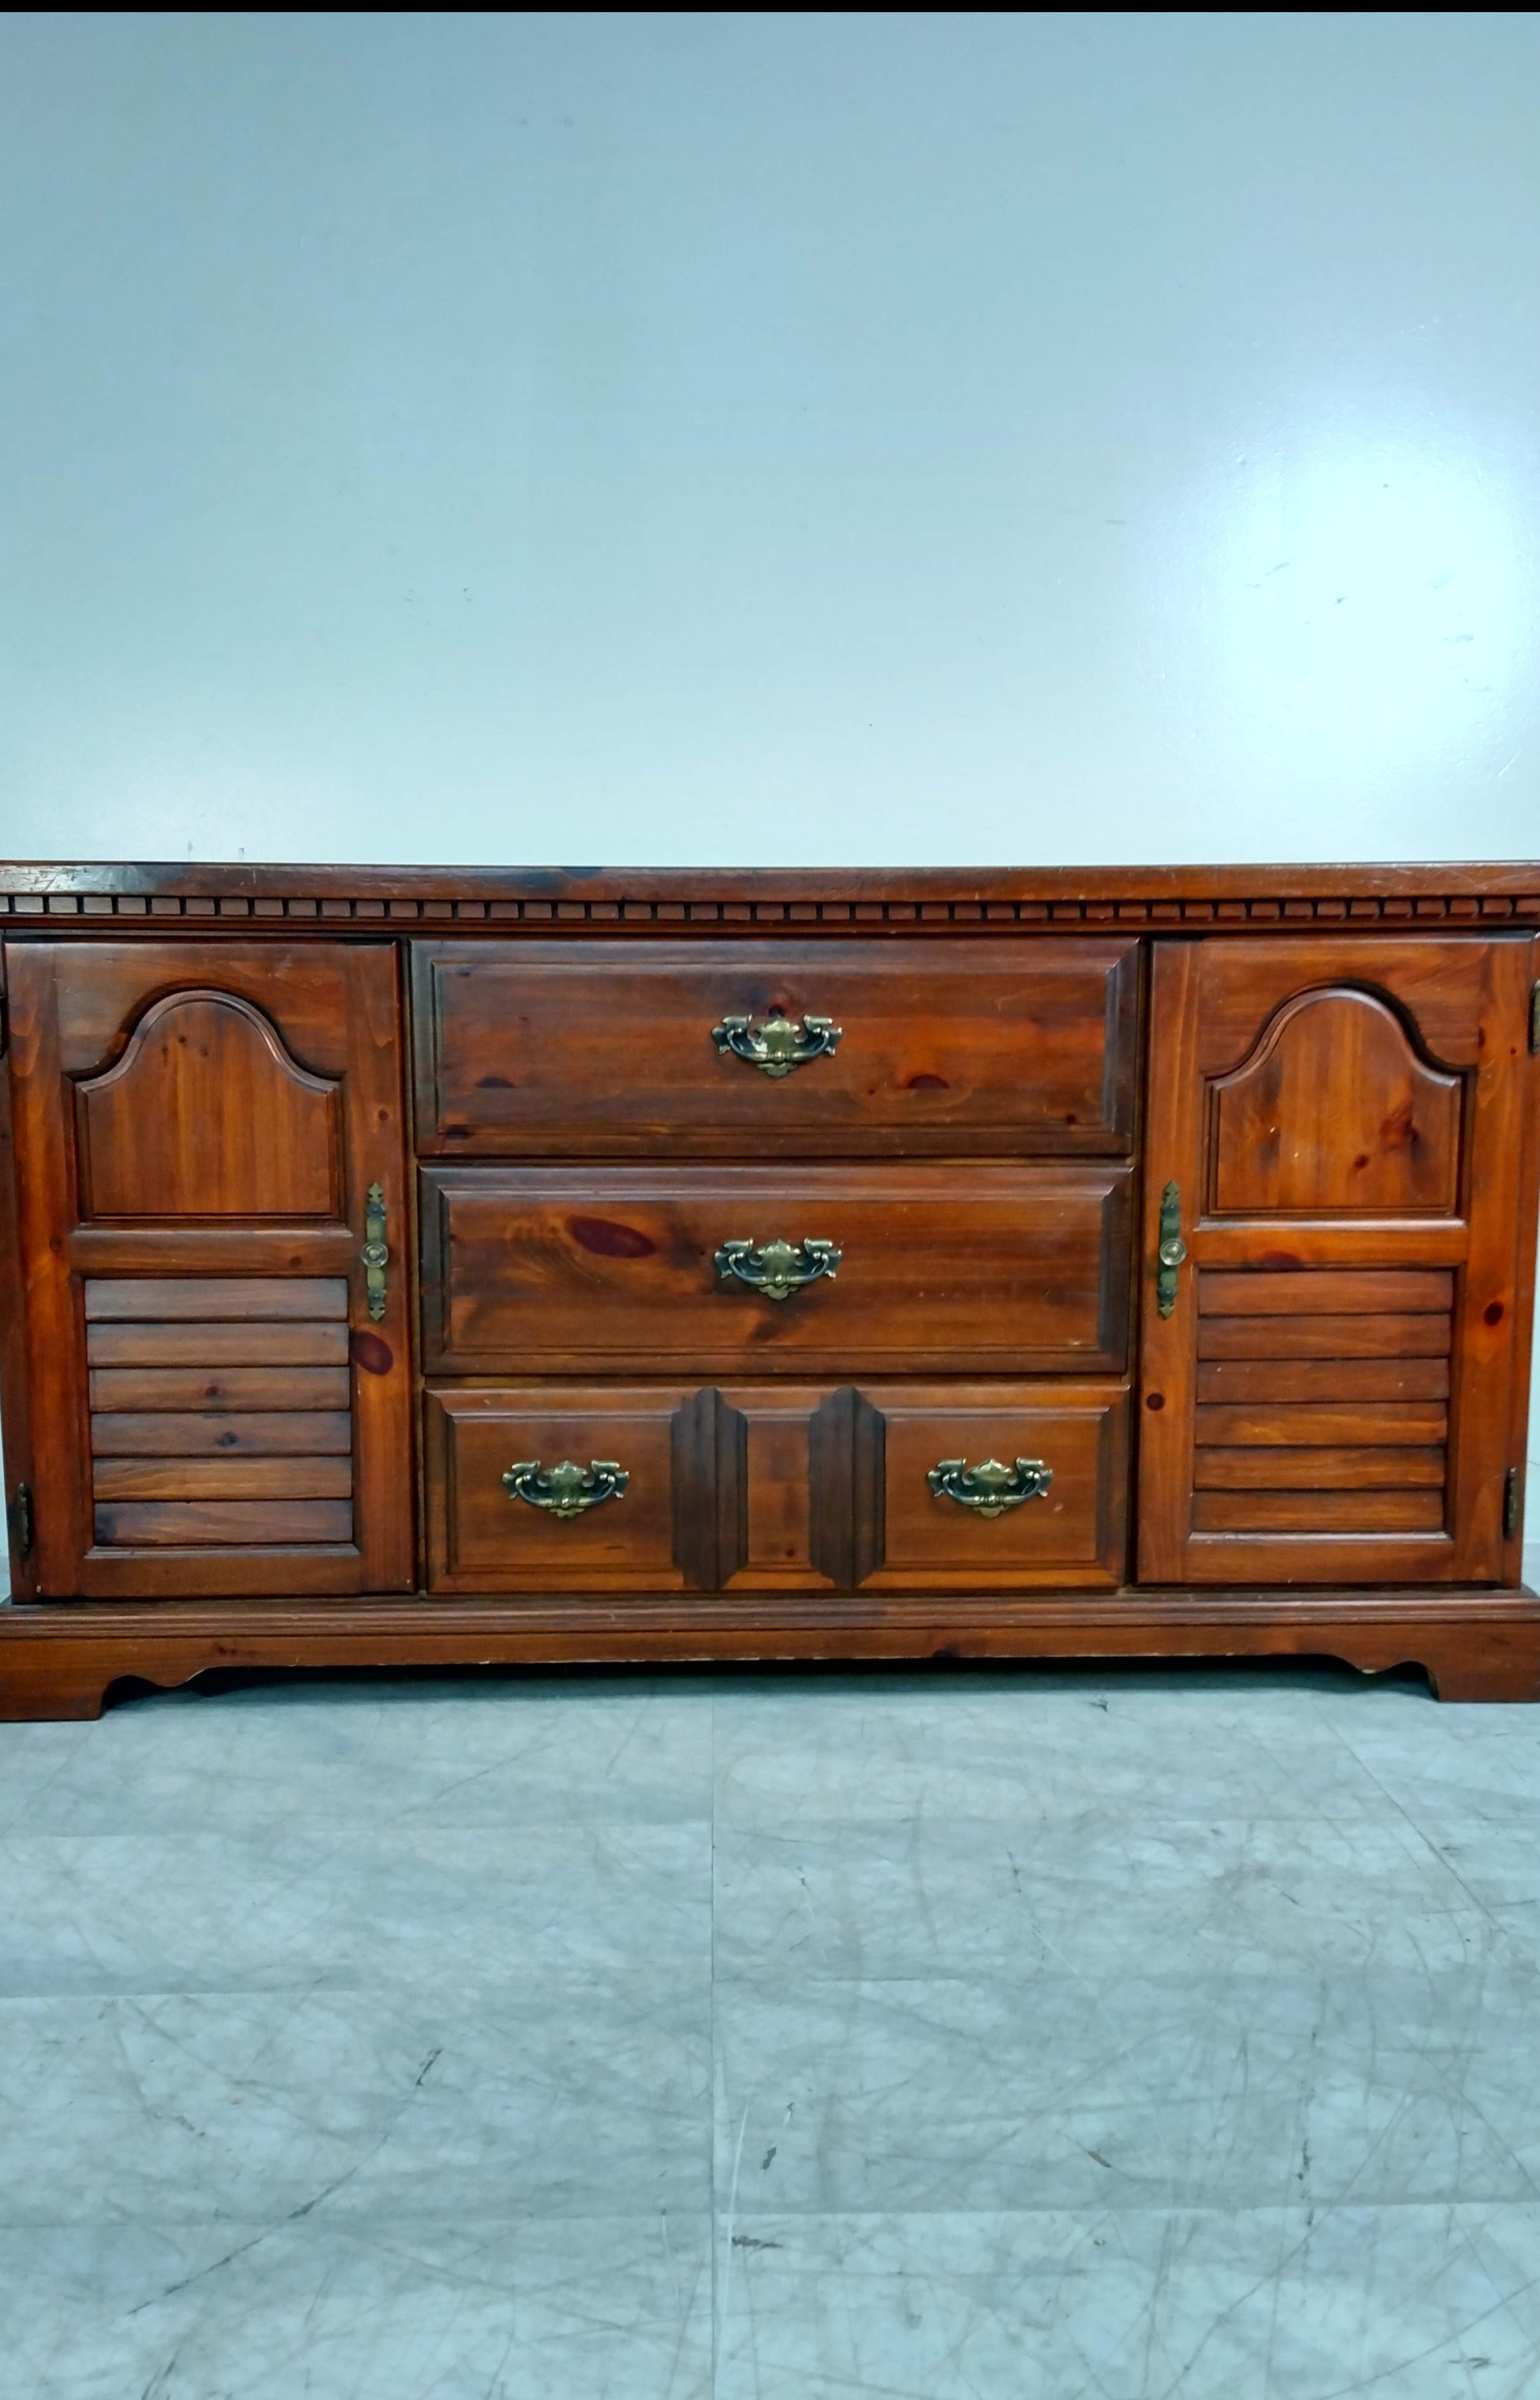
600,1048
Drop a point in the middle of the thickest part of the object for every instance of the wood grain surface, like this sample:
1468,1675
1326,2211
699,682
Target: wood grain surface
746,1488
604,1050
592,1269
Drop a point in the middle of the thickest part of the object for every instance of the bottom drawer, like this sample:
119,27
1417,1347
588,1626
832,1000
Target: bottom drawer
888,1487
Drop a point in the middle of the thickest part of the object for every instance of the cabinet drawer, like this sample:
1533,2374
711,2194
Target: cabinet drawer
746,1488
599,1271
483,1537
606,1048
1073,1532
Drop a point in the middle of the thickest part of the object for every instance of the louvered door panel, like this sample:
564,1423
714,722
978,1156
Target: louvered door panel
188,1452
1291,1445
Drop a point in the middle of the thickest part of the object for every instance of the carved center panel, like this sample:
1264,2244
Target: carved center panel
206,1114
1335,1113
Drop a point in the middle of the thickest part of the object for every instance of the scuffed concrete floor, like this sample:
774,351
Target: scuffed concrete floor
1140,2035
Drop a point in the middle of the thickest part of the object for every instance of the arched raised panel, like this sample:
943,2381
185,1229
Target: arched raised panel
206,1114
1334,1113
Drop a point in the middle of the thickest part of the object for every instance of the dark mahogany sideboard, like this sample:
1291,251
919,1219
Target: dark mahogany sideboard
433,1266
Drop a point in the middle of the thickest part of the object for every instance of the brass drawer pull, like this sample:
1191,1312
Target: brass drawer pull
565,1490
375,1256
780,1044
1171,1254
780,1268
989,1489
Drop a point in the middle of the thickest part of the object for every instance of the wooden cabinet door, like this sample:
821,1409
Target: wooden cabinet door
217,1401
1334,1382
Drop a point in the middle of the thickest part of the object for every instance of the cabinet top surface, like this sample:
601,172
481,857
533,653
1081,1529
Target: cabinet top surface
431,896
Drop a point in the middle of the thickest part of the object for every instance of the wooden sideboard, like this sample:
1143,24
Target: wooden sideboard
433,1266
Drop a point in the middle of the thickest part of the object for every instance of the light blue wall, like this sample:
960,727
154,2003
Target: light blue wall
769,437
735,437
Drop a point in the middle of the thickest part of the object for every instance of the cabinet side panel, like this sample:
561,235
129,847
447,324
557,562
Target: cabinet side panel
50,1298
15,1410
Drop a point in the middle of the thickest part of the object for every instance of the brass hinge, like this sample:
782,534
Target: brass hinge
1534,1018
1513,1493
1171,1254
18,1518
374,1253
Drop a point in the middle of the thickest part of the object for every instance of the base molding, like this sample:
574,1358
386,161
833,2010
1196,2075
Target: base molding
60,1658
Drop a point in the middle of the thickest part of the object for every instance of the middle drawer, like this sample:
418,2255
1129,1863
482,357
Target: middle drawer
839,1271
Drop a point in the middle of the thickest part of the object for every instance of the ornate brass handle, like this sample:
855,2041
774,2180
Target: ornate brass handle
779,1268
1172,1252
780,1044
374,1254
990,1487
566,1489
